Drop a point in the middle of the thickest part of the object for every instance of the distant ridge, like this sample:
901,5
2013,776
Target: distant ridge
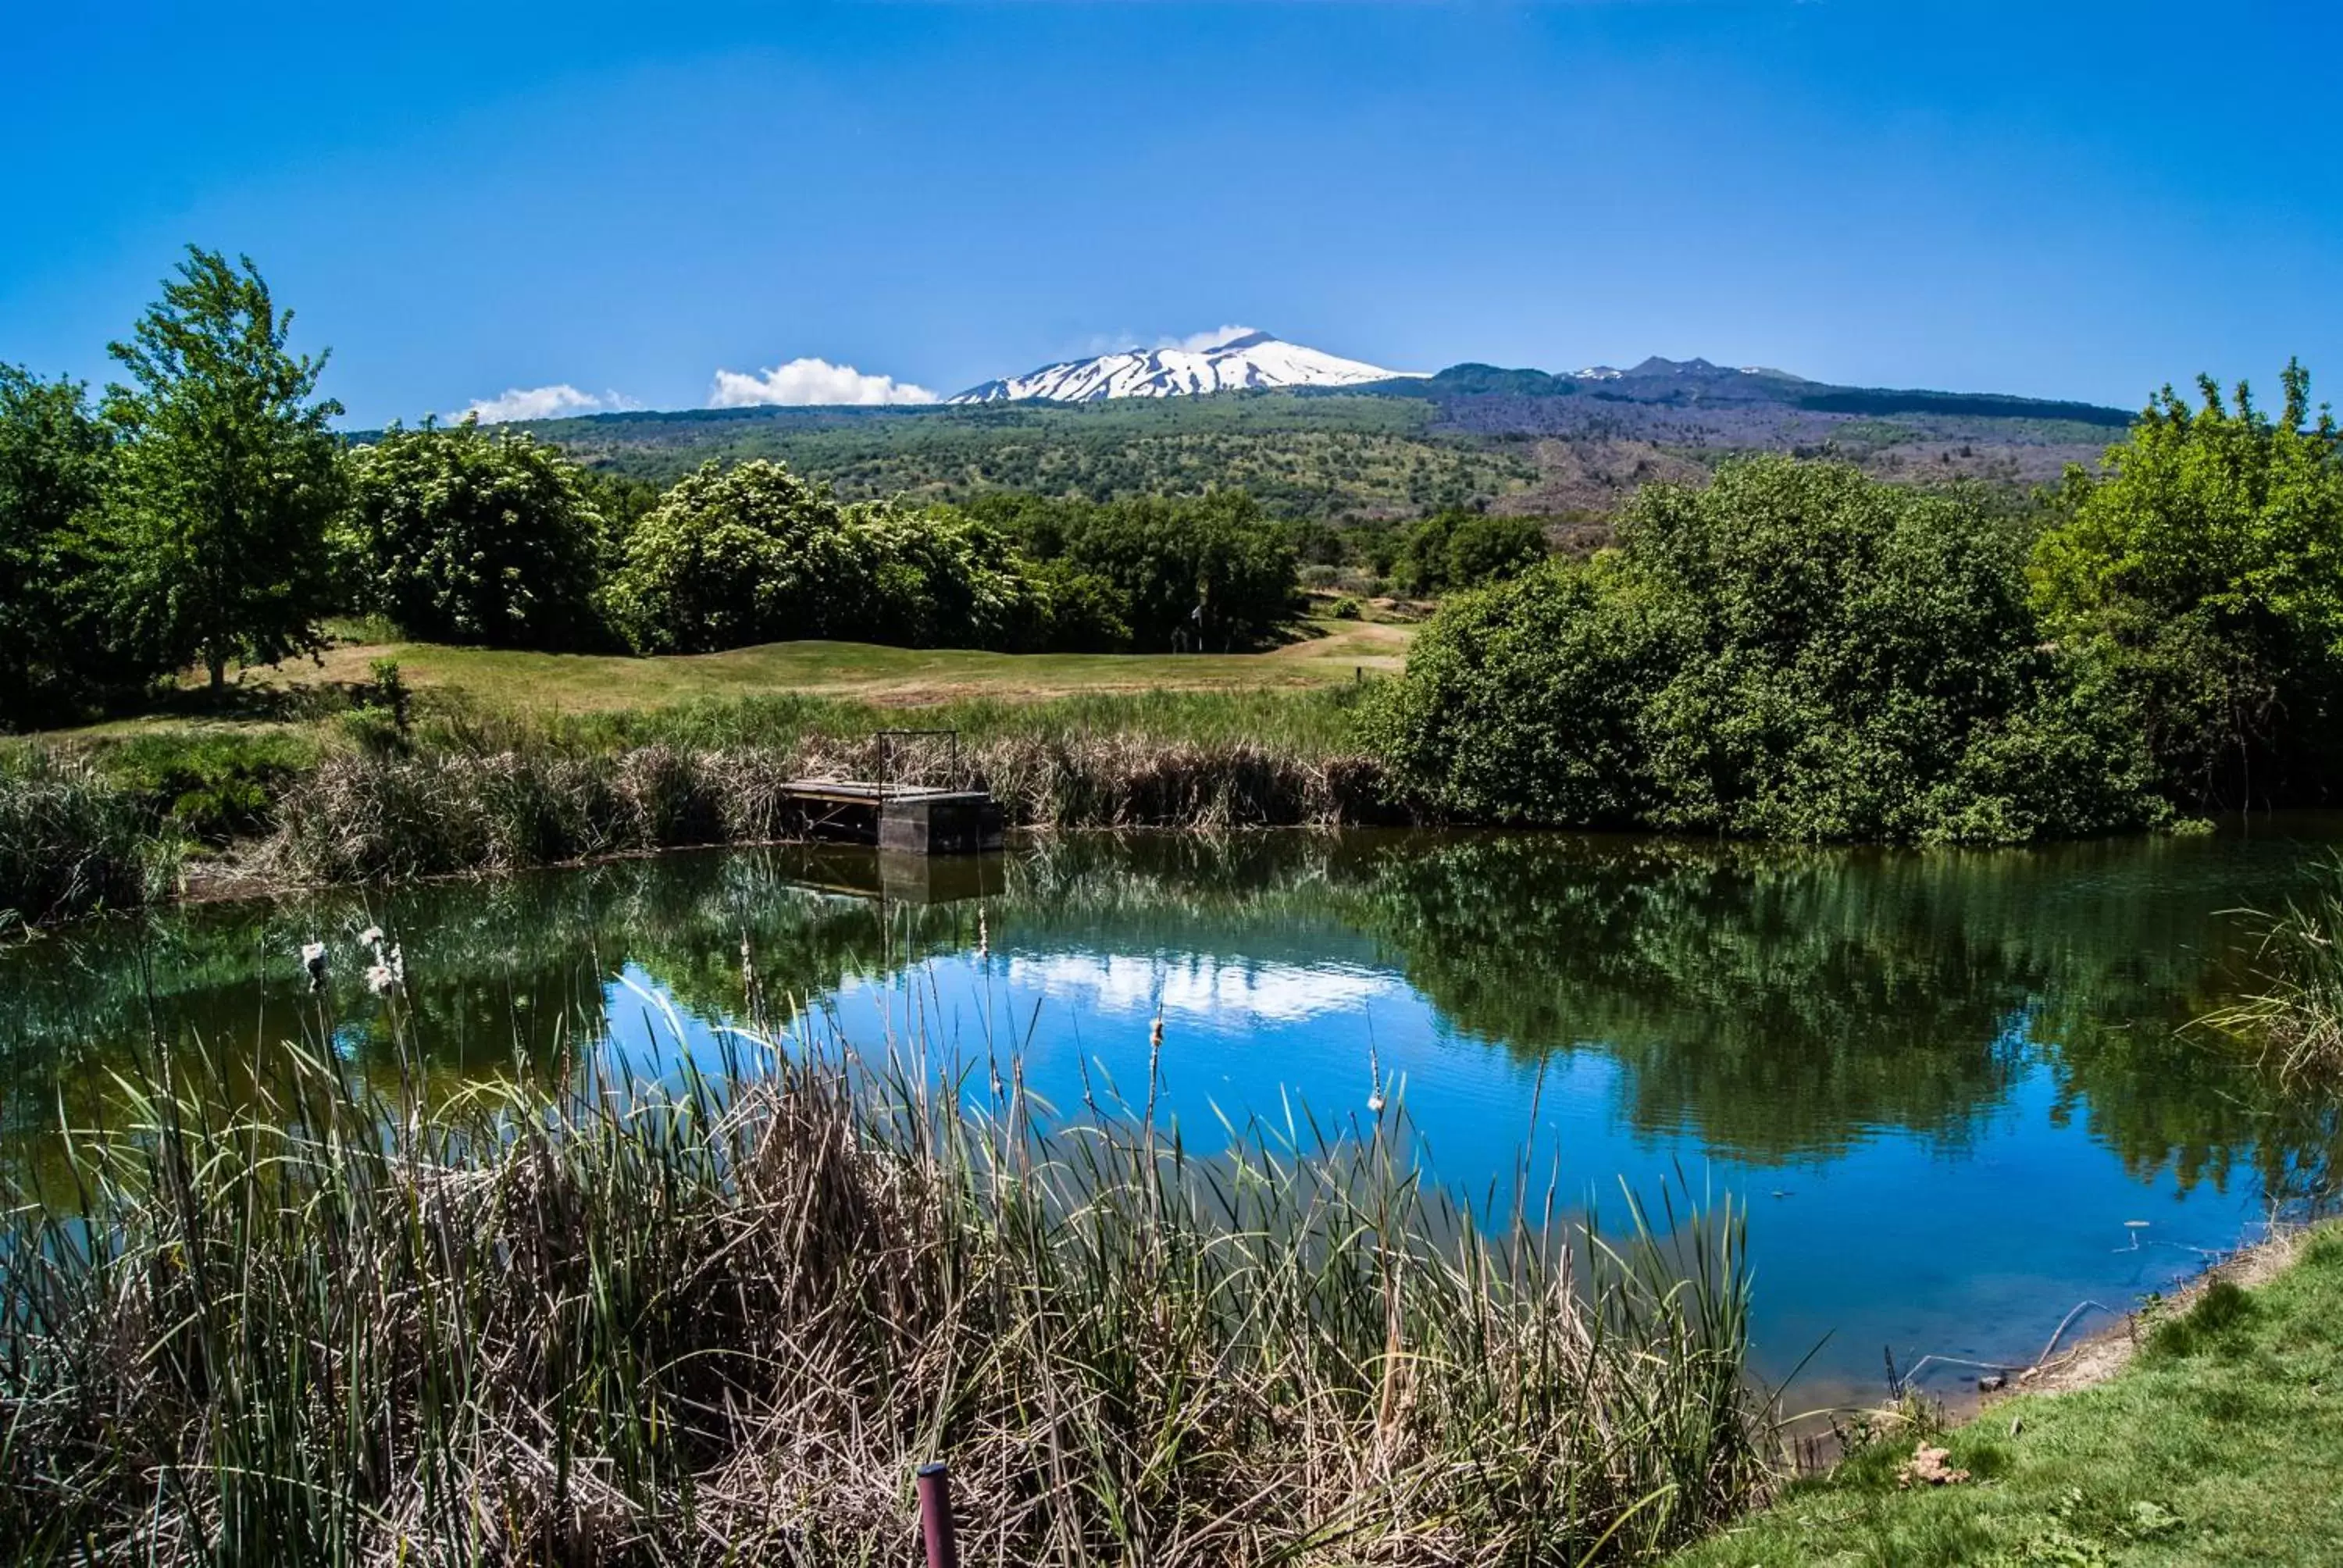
1690,383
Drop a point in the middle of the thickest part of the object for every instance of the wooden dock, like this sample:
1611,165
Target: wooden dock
909,818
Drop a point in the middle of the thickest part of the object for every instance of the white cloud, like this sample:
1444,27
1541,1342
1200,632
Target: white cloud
542,403
810,381
1197,342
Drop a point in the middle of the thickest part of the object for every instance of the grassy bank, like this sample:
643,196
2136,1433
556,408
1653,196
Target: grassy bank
727,1327
2219,1442
328,788
850,671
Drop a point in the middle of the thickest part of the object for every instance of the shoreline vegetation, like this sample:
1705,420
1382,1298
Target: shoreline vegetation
422,784
726,1322
2202,1430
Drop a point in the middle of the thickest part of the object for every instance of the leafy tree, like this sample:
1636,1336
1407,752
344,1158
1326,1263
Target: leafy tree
1457,548
2208,568
226,473
755,553
941,579
1208,572
734,557
1796,652
57,644
465,536
1525,704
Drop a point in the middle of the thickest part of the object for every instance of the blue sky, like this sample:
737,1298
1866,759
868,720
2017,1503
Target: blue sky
2070,200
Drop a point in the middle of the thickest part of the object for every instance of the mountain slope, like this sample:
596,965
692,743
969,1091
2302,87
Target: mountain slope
1255,361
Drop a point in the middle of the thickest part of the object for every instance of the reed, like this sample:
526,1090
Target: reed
71,842
2296,1019
364,817
725,1323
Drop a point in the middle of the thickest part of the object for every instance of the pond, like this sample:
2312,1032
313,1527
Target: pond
1949,1087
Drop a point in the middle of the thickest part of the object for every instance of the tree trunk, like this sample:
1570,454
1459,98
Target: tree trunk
218,659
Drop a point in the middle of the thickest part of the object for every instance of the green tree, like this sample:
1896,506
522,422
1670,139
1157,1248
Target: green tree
1484,549
226,474
2208,568
465,536
754,554
734,557
1795,652
1212,571
57,644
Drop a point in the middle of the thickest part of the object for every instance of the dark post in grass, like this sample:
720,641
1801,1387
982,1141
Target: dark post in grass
936,1517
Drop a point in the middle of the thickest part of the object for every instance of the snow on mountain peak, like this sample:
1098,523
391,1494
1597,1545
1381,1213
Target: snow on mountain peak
1251,358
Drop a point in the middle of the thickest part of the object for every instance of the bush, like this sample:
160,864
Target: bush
62,646
1344,608
2204,567
464,536
1796,652
1457,550
1211,572
212,787
754,554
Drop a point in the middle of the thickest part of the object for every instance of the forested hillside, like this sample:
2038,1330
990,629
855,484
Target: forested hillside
1511,440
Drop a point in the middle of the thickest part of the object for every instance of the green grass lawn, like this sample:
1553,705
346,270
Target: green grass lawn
2222,1441
887,677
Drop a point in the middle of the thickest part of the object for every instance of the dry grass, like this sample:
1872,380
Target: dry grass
726,1325
70,841
364,817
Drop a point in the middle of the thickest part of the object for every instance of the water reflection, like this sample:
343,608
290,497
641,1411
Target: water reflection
1944,1080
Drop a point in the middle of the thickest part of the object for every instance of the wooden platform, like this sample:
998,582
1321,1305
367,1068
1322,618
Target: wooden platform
914,819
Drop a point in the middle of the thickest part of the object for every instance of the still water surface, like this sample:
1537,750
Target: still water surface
1947,1086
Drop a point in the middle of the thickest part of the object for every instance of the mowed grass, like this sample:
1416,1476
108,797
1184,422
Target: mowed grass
864,672
2221,1442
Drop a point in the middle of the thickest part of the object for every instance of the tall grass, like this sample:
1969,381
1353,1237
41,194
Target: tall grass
2296,1019
726,1325
472,787
362,817
71,842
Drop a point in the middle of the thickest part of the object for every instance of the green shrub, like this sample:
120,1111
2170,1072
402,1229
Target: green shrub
1211,572
753,554
63,647
1457,550
211,786
1793,652
1343,609
464,536
2208,568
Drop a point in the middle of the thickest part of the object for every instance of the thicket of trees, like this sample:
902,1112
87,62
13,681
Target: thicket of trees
1203,572
1799,651
204,512
2206,571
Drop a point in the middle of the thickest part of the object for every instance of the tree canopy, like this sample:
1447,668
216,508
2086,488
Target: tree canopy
226,474
2207,568
461,535
57,643
754,554
1794,651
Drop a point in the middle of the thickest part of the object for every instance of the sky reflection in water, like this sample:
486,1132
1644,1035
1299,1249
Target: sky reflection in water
1941,1083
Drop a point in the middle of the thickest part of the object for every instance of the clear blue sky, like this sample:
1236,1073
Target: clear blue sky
2061,199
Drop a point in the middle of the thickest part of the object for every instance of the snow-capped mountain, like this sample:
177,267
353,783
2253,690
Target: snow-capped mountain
1252,359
